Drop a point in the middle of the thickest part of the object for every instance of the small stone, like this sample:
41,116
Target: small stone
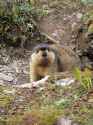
73,26
64,121
55,33
79,15
5,77
64,82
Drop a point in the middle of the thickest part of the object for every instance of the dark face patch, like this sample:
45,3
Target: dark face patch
41,47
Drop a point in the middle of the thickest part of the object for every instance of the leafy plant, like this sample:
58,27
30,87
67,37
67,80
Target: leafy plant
84,77
87,1
18,22
43,116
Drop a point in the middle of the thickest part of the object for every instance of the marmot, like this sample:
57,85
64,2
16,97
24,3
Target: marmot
46,59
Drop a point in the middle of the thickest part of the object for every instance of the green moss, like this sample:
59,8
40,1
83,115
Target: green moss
45,115
14,120
5,98
87,16
85,77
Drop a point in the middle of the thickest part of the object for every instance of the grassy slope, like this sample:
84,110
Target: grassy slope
45,105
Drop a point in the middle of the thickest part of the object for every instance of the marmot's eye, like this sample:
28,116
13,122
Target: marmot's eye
43,48
48,49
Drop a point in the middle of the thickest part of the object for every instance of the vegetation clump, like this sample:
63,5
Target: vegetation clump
17,23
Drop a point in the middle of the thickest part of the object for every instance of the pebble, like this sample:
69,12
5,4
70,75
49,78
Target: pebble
5,77
64,121
79,15
66,81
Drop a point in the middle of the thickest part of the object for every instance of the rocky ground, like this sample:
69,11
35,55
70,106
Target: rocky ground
14,68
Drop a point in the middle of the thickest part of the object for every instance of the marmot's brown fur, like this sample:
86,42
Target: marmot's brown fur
47,59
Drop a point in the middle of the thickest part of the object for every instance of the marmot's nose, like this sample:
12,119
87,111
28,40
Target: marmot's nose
44,54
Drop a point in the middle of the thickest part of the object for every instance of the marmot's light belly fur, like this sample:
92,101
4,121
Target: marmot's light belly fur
47,59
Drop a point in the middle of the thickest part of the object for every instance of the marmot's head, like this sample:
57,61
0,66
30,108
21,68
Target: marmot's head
43,55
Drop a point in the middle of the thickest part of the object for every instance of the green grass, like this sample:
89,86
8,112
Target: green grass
46,105
84,77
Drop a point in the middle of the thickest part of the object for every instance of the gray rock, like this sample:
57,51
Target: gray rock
65,121
6,77
65,82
